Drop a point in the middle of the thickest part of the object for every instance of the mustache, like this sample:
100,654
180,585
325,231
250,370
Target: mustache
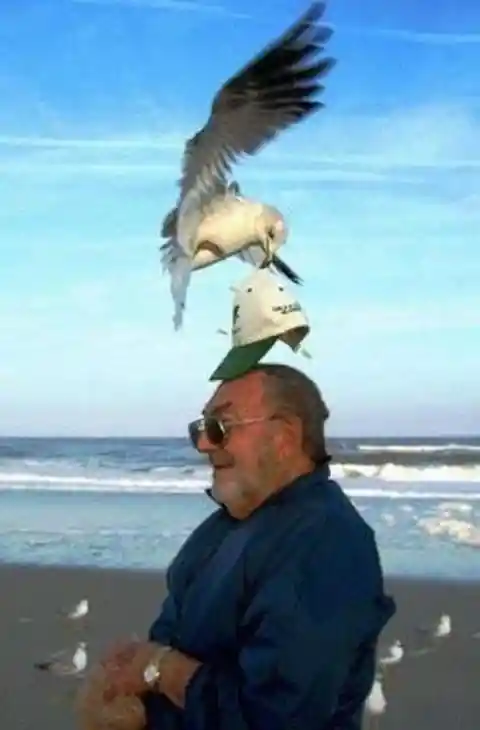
222,463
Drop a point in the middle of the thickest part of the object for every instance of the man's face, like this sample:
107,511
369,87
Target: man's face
246,464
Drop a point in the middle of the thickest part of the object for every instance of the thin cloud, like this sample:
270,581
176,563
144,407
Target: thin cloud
427,316
429,136
176,6
169,172
162,142
413,36
412,146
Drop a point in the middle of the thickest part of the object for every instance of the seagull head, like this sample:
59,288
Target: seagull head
275,224
273,229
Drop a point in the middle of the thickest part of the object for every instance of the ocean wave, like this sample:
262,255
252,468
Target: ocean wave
419,448
395,483
396,473
94,483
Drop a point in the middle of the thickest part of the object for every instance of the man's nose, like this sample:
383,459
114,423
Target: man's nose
204,445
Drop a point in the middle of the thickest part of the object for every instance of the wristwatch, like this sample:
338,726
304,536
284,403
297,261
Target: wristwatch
153,670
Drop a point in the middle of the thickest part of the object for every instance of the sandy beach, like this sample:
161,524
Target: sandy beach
437,690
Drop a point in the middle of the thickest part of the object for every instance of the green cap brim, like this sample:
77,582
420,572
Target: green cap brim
240,359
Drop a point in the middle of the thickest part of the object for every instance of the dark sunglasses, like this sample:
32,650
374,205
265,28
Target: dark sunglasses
214,429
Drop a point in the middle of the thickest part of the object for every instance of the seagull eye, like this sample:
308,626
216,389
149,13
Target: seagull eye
271,232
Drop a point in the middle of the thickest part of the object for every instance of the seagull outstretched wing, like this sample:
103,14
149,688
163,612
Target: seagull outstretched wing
274,91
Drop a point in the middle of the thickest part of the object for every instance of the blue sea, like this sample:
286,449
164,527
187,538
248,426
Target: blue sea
132,502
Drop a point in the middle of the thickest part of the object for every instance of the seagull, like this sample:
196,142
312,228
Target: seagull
444,627
212,220
65,663
376,703
431,635
394,656
78,611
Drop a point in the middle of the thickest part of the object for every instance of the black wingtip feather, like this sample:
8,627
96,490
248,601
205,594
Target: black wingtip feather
285,269
286,61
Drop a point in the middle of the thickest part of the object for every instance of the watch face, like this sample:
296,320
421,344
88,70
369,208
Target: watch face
151,673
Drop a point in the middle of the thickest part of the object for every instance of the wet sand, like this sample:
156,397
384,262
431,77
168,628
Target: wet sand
436,690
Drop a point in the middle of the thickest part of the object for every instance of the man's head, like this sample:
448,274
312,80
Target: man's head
273,421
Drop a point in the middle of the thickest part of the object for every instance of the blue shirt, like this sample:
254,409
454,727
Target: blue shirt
283,609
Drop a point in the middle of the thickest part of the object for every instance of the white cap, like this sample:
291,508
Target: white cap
264,311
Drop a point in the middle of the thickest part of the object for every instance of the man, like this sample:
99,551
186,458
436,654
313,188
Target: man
276,601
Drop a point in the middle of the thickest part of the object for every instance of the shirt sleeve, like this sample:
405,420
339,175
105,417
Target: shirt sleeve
300,639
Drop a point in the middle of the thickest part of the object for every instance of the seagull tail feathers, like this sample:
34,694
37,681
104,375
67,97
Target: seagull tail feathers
169,252
179,267
283,268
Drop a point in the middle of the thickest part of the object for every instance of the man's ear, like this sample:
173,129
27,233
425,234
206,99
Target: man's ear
291,434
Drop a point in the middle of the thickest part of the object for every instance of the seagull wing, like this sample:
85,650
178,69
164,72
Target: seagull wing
274,91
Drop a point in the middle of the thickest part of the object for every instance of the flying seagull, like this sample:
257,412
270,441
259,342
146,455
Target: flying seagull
212,220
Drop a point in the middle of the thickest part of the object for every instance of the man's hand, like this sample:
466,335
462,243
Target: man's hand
93,713
125,666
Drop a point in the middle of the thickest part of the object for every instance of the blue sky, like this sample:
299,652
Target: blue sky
381,191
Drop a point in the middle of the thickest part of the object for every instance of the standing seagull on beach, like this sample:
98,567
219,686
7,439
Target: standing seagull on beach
76,612
65,662
395,654
212,220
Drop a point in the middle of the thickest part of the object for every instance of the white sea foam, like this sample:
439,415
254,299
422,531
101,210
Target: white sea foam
460,531
197,480
397,473
449,507
93,483
71,475
419,448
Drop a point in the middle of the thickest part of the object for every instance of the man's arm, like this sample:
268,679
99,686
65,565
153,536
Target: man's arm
303,631
176,672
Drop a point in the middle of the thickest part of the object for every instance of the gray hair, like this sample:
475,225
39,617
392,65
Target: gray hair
295,393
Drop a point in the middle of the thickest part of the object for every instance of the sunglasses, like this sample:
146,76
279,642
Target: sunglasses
215,430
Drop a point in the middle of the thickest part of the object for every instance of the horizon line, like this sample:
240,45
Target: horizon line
86,437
